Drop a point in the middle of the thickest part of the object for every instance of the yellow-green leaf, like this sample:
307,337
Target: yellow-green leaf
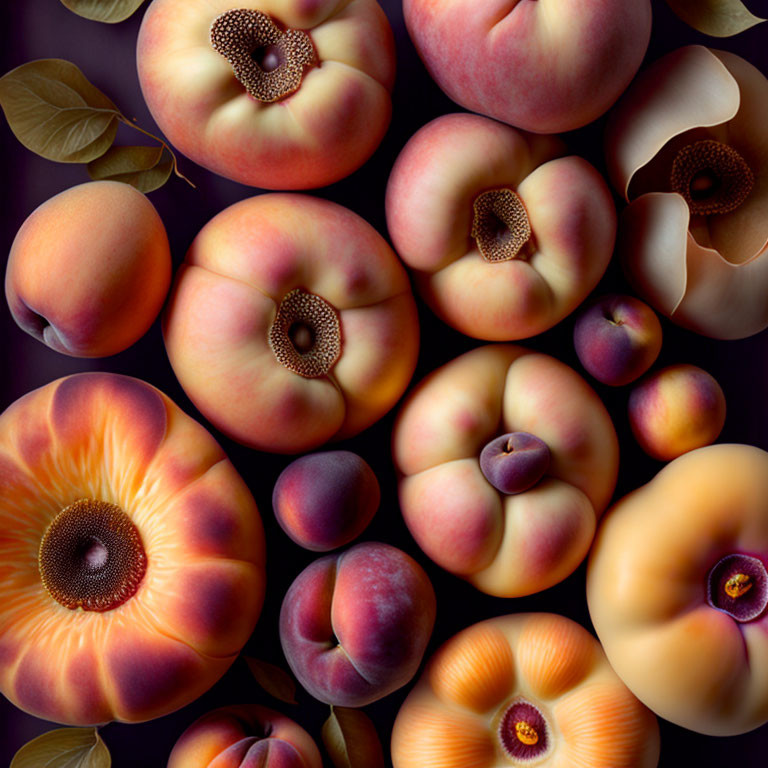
351,740
54,111
718,18
64,748
146,168
109,11
275,681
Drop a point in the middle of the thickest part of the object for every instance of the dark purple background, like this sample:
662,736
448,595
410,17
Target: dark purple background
45,29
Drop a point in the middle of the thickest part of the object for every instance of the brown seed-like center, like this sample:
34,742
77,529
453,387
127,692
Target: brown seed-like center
305,335
91,556
267,60
500,225
712,177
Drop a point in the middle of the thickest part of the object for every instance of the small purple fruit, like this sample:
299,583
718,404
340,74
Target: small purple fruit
514,462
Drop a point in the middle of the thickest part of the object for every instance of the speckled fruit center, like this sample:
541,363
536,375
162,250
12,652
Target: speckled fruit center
267,60
500,225
305,336
523,732
91,556
712,177
738,585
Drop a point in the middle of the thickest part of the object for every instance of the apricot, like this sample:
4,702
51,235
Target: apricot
504,235
89,269
279,94
523,689
547,66
291,323
354,626
246,736
325,500
677,590
133,554
511,540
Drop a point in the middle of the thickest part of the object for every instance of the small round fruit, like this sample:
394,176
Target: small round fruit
514,462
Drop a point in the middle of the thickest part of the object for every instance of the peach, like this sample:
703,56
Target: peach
247,736
676,587
504,236
545,66
617,339
523,689
89,269
354,626
325,500
133,553
675,410
279,94
506,541
291,323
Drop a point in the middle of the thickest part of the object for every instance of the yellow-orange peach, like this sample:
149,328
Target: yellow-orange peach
506,545
504,235
89,269
280,94
291,323
246,736
133,559
526,689
677,588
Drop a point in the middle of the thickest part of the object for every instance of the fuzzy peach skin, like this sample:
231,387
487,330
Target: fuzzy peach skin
145,647
706,270
669,629
317,135
430,199
89,269
354,626
246,736
506,545
239,269
545,66
525,689
676,409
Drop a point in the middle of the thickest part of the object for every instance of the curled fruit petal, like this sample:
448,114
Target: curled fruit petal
718,18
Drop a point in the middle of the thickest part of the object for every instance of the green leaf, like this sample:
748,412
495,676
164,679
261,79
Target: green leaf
351,740
717,18
146,168
109,11
64,748
275,681
54,111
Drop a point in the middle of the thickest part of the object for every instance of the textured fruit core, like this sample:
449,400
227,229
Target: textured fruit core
91,556
523,732
267,60
712,177
738,585
305,335
500,225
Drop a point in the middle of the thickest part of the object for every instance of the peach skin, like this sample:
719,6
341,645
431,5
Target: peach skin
89,269
291,323
677,590
687,146
504,236
354,626
132,569
279,94
246,736
505,514
547,66
675,410
526,689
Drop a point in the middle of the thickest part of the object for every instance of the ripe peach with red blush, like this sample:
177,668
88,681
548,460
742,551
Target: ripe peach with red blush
354,626
89,269
325,500
617,339
675,410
